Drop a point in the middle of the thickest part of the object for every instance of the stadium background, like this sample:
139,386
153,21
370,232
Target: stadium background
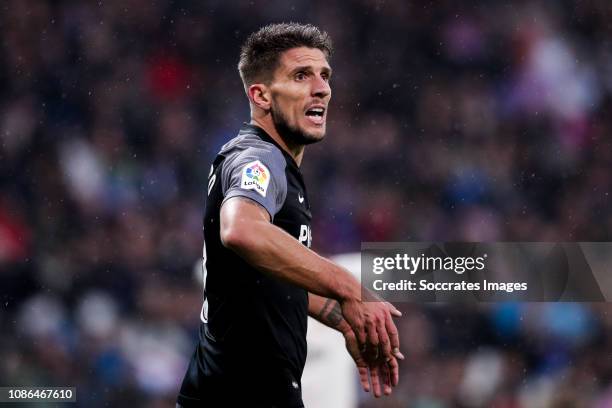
485,121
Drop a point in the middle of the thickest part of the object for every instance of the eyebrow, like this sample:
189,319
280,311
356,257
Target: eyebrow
326,70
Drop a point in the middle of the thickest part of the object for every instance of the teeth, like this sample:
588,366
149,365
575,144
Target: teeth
315,111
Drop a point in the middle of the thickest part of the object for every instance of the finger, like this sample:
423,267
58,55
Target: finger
362,335
393,371
353,349
360,331
383,337
373,340
394,311
353,314
393,337
363,378
375,378
352,346
386,377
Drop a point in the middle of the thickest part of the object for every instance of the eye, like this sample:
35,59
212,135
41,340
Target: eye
326,77
300,76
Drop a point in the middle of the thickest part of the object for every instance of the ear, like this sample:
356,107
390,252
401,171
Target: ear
259,95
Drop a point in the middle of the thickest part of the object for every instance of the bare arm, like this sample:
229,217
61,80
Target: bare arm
246,229
329,312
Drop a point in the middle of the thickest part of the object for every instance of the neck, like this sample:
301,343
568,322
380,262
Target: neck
295,151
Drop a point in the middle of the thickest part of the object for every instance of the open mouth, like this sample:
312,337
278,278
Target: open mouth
316,115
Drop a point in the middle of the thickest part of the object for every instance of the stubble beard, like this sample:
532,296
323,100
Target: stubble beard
292,134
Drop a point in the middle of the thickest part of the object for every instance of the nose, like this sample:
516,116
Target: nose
320,87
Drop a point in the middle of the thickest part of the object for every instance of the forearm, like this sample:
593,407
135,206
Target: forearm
328,312
271,250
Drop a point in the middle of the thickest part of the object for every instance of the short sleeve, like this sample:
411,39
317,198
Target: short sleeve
258,174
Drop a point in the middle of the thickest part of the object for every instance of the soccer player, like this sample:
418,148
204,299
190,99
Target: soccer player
262,279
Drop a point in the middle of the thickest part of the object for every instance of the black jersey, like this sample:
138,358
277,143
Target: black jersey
253,332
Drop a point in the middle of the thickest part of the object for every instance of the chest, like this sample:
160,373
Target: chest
295,216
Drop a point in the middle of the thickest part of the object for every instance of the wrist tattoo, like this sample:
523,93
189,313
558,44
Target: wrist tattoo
331,313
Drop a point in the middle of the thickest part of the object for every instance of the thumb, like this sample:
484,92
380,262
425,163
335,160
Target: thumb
393,310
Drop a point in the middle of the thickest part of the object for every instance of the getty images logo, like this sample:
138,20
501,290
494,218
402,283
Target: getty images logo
423,263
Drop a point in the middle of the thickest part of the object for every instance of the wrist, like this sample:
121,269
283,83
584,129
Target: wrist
350,291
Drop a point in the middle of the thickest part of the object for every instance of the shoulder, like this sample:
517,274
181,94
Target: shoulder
254,168
247,148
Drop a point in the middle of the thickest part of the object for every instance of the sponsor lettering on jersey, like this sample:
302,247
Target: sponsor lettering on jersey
305,235
255,176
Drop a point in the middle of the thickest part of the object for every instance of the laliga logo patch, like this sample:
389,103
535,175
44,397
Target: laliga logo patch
255,176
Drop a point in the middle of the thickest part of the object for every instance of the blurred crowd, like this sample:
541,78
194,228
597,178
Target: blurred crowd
483,121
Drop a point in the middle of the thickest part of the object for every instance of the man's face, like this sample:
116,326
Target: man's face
300,95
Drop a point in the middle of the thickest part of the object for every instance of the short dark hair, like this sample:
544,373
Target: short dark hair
260,53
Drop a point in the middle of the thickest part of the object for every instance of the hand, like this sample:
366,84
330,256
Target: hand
371,364
373,326
381,372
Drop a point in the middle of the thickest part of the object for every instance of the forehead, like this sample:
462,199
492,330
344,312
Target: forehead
303,56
